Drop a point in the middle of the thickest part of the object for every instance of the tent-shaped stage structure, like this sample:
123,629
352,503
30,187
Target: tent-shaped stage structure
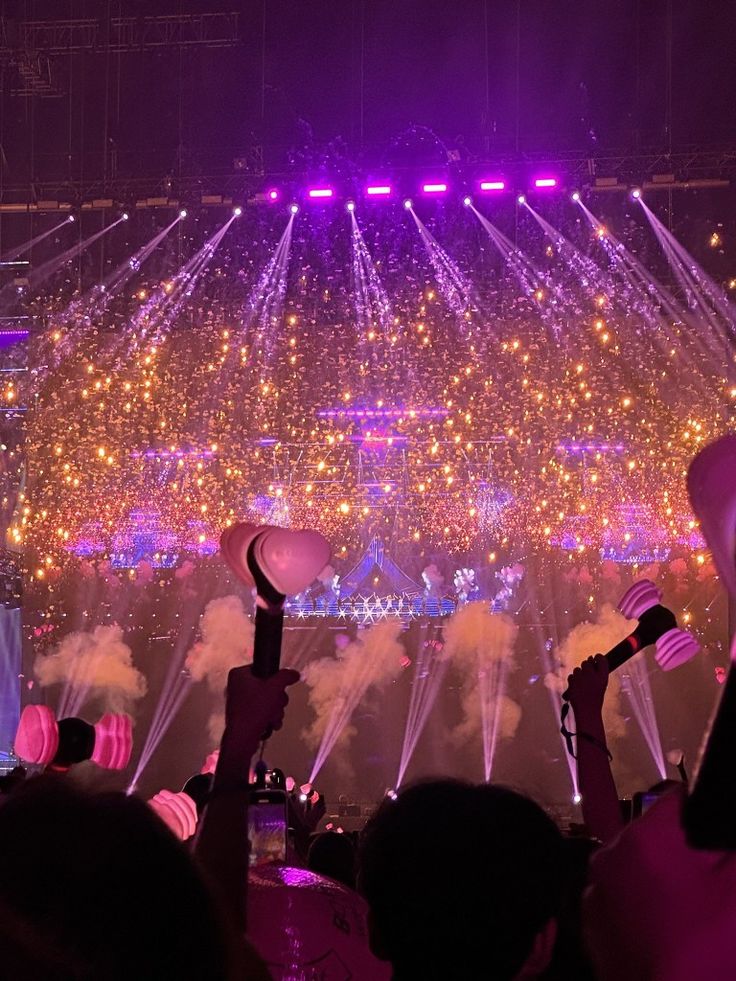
376,588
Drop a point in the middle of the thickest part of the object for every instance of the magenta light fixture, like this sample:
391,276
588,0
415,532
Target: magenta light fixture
545,182
493,185
273,194
318,193
434,188
378,190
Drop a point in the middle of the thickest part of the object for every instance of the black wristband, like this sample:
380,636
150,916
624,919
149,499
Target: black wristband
568,735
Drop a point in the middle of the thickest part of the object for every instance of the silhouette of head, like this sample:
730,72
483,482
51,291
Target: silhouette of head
333,855
462,881
99,880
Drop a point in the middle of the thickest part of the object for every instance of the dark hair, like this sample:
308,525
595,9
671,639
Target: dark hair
459,880
570,958
101,880
12,780
333,855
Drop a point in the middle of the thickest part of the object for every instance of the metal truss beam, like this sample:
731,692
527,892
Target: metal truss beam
119,34
610,172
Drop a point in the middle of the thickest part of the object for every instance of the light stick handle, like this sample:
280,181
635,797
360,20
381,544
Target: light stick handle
269,621
267,642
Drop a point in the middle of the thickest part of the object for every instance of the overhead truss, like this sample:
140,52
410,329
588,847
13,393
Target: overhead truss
30,47
242,175
120,34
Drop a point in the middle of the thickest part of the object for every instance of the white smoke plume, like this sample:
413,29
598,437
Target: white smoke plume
226,633
475,637
338,684
92,665
481,645
608,629
226,642
507,715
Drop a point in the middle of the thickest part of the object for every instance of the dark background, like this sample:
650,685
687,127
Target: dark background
491,76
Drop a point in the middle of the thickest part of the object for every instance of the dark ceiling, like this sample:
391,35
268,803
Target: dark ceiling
487,75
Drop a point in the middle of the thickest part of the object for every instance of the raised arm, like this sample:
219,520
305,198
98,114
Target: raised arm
587,687
253,707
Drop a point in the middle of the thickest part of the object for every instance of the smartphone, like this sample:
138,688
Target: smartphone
267,826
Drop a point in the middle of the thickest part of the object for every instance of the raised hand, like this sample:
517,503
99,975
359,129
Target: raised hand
253,707
586,687
586,690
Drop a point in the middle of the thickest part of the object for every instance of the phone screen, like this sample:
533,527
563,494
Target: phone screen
642,802
267,827
647,801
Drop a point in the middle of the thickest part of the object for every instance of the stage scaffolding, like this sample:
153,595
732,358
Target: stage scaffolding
243,179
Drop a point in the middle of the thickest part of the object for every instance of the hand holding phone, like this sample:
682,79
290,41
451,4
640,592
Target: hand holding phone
267,825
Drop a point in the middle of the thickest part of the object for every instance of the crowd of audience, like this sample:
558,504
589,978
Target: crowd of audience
457,881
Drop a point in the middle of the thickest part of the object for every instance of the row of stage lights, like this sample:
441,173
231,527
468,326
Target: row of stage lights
386,192
430,190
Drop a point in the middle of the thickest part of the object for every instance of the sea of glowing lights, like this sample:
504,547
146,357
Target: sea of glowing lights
455,380
470,401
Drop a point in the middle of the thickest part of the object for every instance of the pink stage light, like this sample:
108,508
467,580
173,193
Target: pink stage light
378,190
434,188
492,185
545,182
320,192
273,194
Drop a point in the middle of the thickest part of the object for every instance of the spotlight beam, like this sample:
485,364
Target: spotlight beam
345,705
635,682
491,688
588,273
265,302
155,317
651,298
47,269
96,300
530,279
454,287
369,297
429,673
705,294
559,617
20,250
